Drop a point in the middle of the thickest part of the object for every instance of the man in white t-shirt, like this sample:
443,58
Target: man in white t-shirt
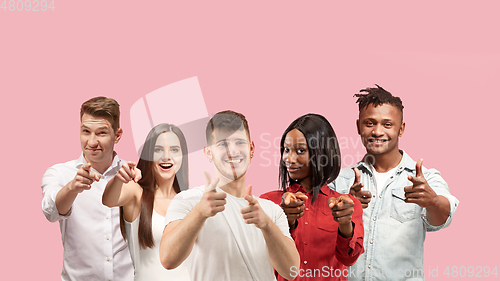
227,233
94,248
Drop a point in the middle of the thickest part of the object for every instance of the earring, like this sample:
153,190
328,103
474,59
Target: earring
210,160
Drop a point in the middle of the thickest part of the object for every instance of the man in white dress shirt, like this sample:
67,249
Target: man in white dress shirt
94,248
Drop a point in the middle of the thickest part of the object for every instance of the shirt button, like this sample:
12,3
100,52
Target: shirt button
307,209
369,266
373,196
107,217
371,242
374,219
305,242
108,259
306,223
380,196
107,237
305,262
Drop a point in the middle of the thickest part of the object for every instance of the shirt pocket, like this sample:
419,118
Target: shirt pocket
326,222
400,210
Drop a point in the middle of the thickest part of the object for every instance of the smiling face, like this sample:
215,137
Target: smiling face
98,139
380,128
167,155
296,158
231,154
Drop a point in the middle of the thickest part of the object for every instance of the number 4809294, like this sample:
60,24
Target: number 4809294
27,5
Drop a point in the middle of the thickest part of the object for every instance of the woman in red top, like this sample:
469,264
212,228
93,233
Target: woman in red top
327,227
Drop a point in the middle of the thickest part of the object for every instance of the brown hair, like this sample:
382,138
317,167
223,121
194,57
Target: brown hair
104,107
149,183
228,121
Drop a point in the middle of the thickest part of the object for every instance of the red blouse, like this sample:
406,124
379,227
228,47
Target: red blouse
323,253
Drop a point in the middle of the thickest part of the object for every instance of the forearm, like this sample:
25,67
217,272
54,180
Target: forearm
438,214
65,198
178,239
282,251
111,194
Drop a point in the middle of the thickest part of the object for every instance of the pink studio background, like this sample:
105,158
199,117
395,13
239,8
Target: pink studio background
272,61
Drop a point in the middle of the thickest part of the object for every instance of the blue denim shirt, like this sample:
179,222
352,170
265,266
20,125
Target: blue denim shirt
394,230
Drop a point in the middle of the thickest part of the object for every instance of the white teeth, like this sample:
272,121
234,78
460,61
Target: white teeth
234,161
166,166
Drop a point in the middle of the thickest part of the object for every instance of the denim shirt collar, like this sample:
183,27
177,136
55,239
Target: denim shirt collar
406,164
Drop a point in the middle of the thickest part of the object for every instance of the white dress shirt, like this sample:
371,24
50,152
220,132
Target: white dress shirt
94,248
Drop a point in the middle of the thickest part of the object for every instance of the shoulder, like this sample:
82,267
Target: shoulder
193,193
274,196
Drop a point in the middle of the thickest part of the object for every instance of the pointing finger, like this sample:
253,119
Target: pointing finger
288,197
86,167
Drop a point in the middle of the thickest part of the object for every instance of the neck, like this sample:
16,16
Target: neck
384,162
236,187
165,189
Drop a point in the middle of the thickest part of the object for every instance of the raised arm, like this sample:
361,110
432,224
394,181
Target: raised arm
179,236
82,181
420,193
282,251
123,187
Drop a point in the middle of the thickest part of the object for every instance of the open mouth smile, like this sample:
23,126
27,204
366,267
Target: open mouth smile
234,161
166,166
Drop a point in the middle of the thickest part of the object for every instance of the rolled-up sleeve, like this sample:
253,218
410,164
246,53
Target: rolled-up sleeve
355,242
439,185
51,184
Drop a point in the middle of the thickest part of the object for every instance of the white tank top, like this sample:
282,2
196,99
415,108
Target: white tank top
147,261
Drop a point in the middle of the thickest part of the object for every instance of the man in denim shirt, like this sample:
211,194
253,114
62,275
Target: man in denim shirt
402,200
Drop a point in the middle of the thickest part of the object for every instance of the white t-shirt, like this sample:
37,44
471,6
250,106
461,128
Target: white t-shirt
382,178
227,248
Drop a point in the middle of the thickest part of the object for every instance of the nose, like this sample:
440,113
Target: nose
93,142
377,131
289,157
232,149
166,155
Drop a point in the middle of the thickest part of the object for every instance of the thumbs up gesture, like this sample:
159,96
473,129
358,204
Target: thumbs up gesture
212,202
420,192
253,213
364,196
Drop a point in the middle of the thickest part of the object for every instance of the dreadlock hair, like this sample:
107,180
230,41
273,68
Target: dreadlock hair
377,96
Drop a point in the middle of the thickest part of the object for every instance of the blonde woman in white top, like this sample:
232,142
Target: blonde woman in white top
144,192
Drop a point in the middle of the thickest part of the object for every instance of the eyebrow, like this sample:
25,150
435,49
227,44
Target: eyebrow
99,128
299,143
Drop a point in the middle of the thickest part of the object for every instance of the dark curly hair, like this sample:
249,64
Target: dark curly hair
377,96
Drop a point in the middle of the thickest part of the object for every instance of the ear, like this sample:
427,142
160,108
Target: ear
357,126
252,148
118,135
402,129
207,152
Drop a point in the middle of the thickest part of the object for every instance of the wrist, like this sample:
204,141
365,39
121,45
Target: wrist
293,224
346,230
